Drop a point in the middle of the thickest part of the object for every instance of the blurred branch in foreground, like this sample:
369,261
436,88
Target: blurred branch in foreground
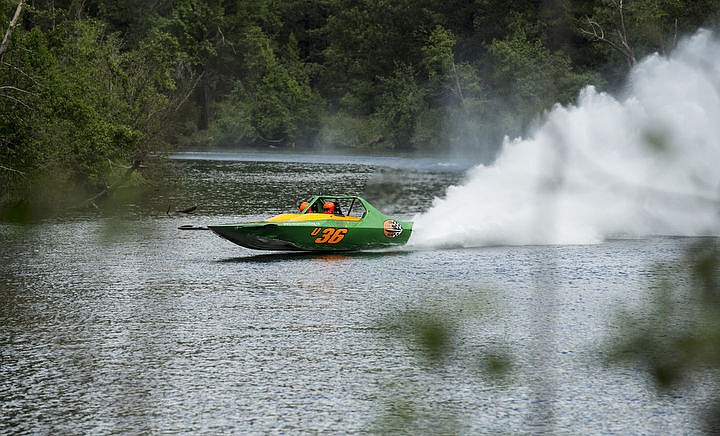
677,341
441,340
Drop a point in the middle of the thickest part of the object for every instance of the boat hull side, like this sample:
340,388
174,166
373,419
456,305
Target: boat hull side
322,235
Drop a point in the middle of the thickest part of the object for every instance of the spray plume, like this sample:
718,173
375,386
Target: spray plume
645,164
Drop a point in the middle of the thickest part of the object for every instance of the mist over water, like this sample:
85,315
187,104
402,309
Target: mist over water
645,163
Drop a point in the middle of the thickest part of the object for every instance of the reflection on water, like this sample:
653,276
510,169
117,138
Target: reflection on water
132,326
319,257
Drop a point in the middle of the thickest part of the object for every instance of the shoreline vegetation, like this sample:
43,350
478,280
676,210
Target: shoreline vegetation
90,91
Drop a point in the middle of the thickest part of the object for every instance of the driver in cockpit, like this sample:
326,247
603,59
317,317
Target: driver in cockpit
332,207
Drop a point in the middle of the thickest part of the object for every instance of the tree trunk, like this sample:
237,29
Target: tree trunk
11,28
204,122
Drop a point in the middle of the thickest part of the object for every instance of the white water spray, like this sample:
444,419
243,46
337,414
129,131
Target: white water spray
646,164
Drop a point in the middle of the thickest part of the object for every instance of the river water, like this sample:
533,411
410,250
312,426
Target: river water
128,325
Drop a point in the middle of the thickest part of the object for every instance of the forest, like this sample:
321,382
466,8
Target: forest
91,89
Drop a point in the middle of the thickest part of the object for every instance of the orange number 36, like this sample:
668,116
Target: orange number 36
330,236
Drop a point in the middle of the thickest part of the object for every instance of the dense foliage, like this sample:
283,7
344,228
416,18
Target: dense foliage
88,89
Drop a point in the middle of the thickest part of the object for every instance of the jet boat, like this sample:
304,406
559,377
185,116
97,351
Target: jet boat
324,223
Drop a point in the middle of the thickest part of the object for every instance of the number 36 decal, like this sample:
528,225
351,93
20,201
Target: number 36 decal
329,235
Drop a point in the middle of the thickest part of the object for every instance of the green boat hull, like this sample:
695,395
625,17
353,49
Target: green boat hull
319,232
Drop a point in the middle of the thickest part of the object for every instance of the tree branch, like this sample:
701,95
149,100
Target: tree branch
16,100
13,88
622,33
125,177
623,47
12,170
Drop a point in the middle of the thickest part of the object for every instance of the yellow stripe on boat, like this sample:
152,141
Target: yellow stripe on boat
299,217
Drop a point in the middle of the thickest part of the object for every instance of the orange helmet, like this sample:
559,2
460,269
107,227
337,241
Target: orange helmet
328,207
304,205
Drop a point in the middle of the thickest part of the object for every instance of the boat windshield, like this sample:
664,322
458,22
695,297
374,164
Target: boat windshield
343,206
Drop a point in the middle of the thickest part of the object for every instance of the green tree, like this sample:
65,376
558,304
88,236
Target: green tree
531,78
402,102
90,110
199,27
366,41
273,103
633,29
117,78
